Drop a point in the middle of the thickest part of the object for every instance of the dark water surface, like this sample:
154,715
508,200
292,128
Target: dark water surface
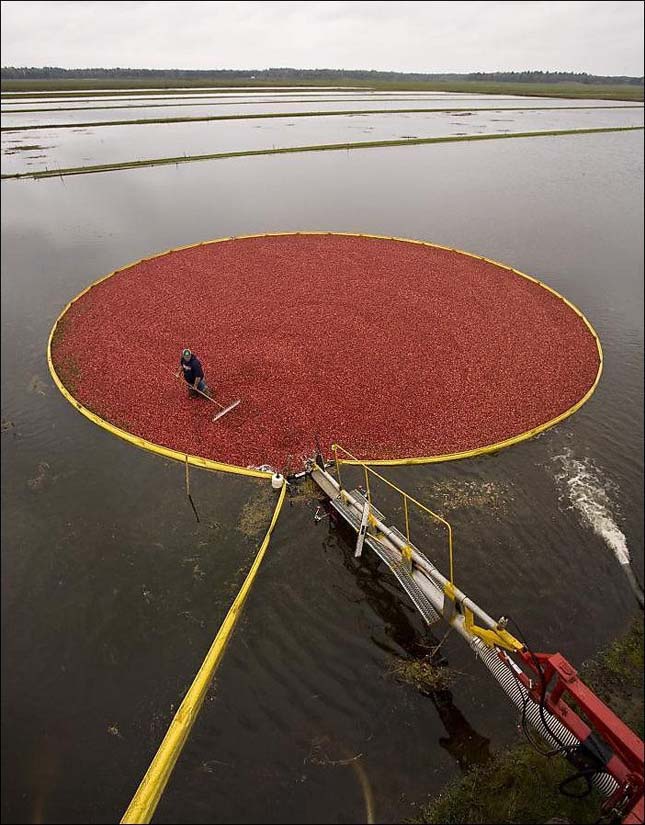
112,592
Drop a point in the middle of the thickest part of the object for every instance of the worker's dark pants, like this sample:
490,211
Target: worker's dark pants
201,386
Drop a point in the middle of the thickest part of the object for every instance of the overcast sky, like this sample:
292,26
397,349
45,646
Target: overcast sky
599,37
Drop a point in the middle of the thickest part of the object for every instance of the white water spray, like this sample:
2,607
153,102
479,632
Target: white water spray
586,491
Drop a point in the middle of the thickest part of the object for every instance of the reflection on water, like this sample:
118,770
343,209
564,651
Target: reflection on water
112,592
463,743
467,747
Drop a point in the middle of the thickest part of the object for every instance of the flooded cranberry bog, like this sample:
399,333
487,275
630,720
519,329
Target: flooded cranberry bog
112,591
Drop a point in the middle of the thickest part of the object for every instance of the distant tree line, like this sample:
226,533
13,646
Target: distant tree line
287,74
554,77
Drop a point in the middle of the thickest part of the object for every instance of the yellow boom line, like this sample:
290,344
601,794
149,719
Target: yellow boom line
149,792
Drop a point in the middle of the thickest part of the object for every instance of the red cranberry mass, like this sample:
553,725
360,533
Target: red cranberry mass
393,349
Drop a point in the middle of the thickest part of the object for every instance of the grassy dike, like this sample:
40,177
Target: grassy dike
264,116
519,785
598,91
329,147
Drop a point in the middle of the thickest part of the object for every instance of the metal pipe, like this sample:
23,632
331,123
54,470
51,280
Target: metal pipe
413,500
422,562
505,671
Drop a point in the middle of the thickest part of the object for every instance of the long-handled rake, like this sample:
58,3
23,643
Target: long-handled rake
223,410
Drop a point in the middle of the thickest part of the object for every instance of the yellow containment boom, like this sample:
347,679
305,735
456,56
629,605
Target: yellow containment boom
148,794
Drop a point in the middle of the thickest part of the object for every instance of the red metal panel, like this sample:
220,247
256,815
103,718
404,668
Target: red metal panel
626,763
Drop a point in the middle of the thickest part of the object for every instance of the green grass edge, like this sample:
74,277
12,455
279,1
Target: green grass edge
519,785
70,87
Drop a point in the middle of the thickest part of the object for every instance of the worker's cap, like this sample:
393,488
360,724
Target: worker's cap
186,353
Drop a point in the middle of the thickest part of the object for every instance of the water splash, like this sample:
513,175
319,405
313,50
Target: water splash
593,496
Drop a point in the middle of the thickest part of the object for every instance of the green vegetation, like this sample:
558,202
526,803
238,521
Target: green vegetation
284,74
135,164
256,513
570,90
518,786
24,147
339,113
616,675
521,786
303,492
551,84
423,674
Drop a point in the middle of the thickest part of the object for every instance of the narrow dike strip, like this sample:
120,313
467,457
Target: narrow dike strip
377,144
261,116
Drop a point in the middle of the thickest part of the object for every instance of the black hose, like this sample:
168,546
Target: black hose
562,748
586,775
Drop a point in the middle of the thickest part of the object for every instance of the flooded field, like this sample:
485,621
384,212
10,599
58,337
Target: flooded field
112,592
71,116
26,150
48,149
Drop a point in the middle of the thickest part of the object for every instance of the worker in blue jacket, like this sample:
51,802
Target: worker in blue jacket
193,371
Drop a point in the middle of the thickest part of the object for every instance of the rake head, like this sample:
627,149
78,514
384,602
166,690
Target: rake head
226,410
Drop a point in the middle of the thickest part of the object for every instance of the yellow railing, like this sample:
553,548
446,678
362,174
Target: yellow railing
406,498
